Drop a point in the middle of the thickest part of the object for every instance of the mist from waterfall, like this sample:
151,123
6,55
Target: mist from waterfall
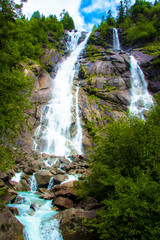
116,43
60,116
141,100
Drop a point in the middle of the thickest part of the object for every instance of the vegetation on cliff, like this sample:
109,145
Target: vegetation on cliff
20,40
140,22
125,178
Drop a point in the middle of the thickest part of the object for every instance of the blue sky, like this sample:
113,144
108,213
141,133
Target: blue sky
85,13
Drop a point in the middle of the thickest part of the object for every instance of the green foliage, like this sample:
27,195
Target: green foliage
110,20
125,173
67,22
120,9
143,31
126,24
103,28
36,15
19,40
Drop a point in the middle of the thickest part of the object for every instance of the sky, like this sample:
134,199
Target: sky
85,13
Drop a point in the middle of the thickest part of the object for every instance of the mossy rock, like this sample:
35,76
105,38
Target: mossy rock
3,191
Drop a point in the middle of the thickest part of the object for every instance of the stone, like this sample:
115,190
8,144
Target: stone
63,203
11,228
66,193
59,178
14,210
29,171
44,81
33,206
24,185
48,196
43,177
154,86
72,226
13,194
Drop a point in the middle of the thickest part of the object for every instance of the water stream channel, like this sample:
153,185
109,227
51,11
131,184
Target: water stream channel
53,136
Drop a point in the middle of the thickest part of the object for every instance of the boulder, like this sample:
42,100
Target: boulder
48,196
63,203
43,177
24,185
44,81
59,178
72,226
14,210
10,227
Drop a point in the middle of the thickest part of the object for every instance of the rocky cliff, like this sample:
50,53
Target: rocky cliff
104,95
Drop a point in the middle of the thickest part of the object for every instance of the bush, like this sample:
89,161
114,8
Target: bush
125,173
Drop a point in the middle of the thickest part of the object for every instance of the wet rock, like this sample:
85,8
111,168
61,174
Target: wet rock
48,196
72,226
33,206
14,210
89,203
154,86
36,164
13,195
59,178
63,203
29,171
43,177
11,228
24,185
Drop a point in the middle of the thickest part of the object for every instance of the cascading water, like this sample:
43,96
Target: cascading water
116,43
54,134
141,100
38,224
33,183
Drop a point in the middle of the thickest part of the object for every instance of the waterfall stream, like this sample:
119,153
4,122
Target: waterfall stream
60,118
141,100
54,135
116,43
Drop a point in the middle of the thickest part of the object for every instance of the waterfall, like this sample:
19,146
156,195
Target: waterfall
50,185
59,133
38,224
55,135
33,183
17,177
141,100
116,43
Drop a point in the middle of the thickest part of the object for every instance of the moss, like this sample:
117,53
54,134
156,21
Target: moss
3,191
83,72
91,50
152,49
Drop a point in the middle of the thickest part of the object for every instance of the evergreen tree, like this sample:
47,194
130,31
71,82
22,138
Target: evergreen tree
121,15
110,20
67,21
36,15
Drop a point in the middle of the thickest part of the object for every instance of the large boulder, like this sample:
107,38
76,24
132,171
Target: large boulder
63,203
72,226
10,227
43,177
44,81
59,178
66,190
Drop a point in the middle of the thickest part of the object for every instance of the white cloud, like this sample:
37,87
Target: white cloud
101,5
48,7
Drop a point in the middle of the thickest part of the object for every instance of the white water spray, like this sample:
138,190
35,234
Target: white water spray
116,43
141,100
17,177
55,136
38,225
33,183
